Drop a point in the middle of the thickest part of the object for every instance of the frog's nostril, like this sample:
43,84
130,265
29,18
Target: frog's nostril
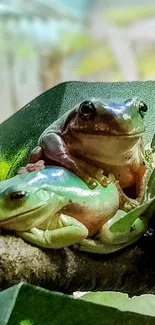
142,108
18,195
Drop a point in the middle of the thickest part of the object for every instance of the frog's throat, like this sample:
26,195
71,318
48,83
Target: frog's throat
107,150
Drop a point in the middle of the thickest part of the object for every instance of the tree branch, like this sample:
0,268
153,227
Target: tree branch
131,270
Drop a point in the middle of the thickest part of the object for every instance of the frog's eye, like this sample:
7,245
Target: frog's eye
87,110
17,195
142,108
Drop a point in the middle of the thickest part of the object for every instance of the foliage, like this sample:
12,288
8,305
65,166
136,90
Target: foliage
95,55
144,304
127,15
26,322
100,58
8,165
146,63
72,42
153,143
25,304
4,168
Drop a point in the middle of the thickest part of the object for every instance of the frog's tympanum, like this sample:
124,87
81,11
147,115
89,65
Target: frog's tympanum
54,208
95,139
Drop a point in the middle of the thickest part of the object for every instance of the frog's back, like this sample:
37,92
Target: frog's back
68,185
90,207
60,176
63,182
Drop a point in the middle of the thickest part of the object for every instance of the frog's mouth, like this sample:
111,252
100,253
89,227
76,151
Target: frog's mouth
108,131
29,215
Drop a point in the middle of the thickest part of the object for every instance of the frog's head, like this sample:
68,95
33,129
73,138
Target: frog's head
25,202
122,119
108,129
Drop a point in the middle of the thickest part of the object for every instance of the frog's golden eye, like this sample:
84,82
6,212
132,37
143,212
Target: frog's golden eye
142,108
87,110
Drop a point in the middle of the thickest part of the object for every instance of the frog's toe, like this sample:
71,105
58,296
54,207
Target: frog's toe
129,205
22,170
92,183
101,178
32,167
105,181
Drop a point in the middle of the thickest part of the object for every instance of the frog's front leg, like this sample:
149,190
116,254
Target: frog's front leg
108,241
53,150
70,232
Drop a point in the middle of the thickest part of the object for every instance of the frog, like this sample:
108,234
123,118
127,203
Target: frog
53,208
96,138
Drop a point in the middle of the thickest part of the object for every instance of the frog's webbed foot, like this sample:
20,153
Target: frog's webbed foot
128,204
101,178
108,241
93,182
99,247
39,165
92,175
96,246
70,232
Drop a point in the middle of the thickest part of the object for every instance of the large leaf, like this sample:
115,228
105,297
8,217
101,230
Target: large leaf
23,129
144,304
25,304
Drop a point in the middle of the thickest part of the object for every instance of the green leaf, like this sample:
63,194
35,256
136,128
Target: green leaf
144,304
150,193
126,221
25,304
9,165
153,143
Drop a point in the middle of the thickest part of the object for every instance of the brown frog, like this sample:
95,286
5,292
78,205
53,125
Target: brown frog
94,139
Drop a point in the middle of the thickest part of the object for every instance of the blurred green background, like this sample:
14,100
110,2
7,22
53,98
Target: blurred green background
45,42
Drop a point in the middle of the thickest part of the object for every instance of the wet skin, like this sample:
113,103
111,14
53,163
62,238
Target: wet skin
54,208
94,139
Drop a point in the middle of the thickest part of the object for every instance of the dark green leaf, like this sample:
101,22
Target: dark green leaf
126,222
25,304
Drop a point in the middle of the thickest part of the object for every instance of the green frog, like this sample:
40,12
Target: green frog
53,208
95,139
97,144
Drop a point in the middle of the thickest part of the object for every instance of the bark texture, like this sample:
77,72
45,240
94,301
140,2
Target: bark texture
130,270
